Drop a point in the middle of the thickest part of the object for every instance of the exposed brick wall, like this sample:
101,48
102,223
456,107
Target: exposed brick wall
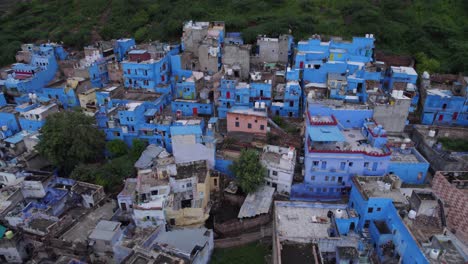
456,205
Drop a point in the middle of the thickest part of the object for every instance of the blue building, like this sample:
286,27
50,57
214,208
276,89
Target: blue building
33,116
9,124
338,147
98,73
65,92
402,79
378,216
234,38
128,115
407,163
149,68
316,58
27,78
122,46
191,96
235,93
288,104
445,104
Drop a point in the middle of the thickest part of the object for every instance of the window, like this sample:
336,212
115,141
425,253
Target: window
312,178
262,127
237,118
324,165
379,209
374,166
366,164
154,192
256,121
291,103
274,173
350,164
315,163
333,178
324,190
342,165
326,178
249,125
189,184
237,124
370,210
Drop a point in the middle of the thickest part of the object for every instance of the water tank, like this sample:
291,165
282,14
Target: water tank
407,140
354,91
412,214
400,93
382,132
367,35
204,94
381,186
257,105
371,35
395,94
426,75
262,105
9,234
434,254
432,133
5,128
403,146
387,186
338,213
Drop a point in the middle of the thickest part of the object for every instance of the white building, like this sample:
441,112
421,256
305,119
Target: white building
280,163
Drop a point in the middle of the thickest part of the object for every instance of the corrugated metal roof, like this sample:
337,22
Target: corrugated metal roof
146,158
326,134
257,203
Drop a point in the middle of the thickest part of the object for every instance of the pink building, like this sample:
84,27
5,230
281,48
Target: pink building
244,119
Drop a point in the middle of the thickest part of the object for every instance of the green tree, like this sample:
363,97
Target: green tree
117,148
249,171
424,63
70,138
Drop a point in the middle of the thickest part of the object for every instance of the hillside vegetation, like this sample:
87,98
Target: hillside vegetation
436,30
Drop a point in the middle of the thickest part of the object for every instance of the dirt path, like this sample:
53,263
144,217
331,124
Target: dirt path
243,239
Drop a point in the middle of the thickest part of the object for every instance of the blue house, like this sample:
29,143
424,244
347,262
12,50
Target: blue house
337,148
191,96
288,104
27,78
121,47
445,104
64,92
98,73
33,116
402,79
407,163
227,97
149,70
378,216
9,124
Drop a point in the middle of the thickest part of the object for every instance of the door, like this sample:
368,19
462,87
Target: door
123,206
301,64
441,117
195,111
228,95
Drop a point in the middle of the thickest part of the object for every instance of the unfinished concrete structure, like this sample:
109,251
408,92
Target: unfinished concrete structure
236,58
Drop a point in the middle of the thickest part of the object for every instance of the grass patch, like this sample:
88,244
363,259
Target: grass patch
253,253
454,144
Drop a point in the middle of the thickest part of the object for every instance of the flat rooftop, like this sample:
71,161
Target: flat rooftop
376,187
8,109
405,156
81,231
302,221
247,111
133,95
341,140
